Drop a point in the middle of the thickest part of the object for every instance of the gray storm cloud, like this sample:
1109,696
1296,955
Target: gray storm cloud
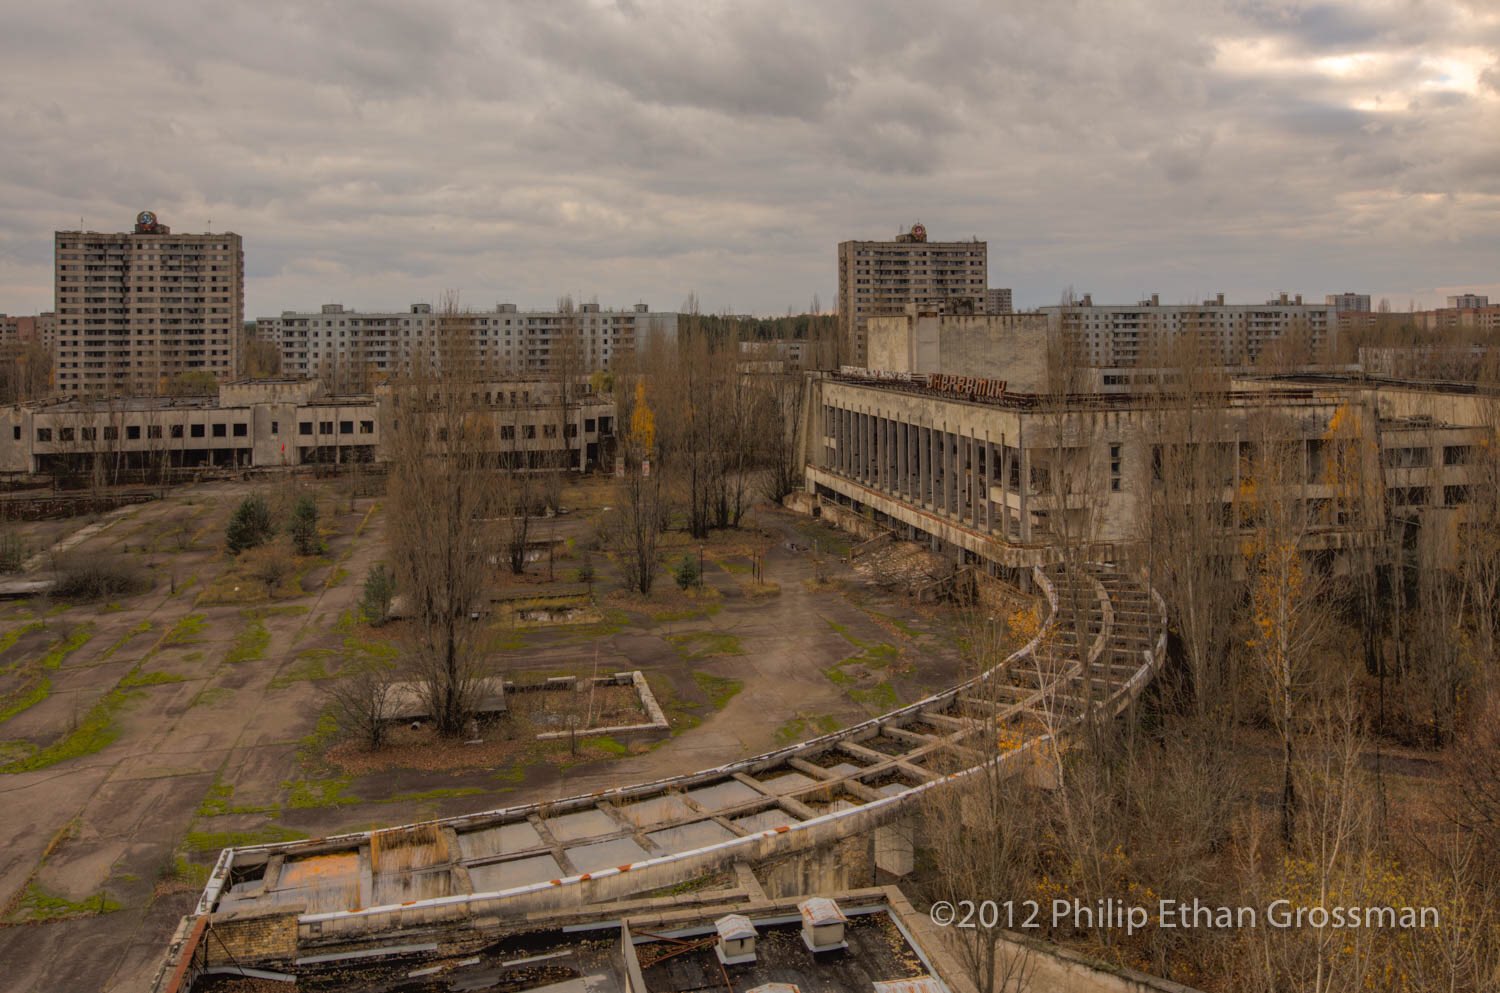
379,153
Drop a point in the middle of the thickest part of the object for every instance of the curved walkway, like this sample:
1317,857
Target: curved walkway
1101,643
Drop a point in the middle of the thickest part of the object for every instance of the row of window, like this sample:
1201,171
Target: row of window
111,432
326,427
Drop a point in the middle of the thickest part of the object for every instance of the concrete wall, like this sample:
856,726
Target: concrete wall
1012,347
1061,970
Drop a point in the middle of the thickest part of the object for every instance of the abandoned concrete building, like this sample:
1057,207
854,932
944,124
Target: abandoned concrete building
1003,479
285,423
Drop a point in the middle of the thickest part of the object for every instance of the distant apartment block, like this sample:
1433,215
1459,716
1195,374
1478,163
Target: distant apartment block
1233,335
775,357
879,278
1445,363
1353,303
38,329
352,349
1481,318
1468,301
136,309
998,301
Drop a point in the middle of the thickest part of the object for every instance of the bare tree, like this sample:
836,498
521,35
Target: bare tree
784,402
637,527
983,832
361,701
1187,529
440,497
1285,613
1480,529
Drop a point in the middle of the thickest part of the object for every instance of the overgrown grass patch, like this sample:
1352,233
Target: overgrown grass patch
249,644
36,904
719,689
94,732
317,741
135,679
186,630
803,727
208,696
310,666
203,842
309,794
696,645
9,638
192,875
124,639
25,699
439,793
79,637
881,697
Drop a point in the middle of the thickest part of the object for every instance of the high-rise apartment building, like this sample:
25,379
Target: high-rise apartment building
351,349
1349,303
136,309
998,301
1468,301
879,278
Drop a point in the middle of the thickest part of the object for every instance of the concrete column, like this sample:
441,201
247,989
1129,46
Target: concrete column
895,847
857,429
903,477
883,438
846,442
868,467
989,478
924,467
975,479
1025,486
843,440
1004,488
950,473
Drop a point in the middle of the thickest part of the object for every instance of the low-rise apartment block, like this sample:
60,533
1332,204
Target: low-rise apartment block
288,423
1231,335
353,349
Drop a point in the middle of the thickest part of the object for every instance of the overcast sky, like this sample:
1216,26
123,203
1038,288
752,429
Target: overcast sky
378,154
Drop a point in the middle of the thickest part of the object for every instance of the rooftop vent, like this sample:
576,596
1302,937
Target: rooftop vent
736,939
822,924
